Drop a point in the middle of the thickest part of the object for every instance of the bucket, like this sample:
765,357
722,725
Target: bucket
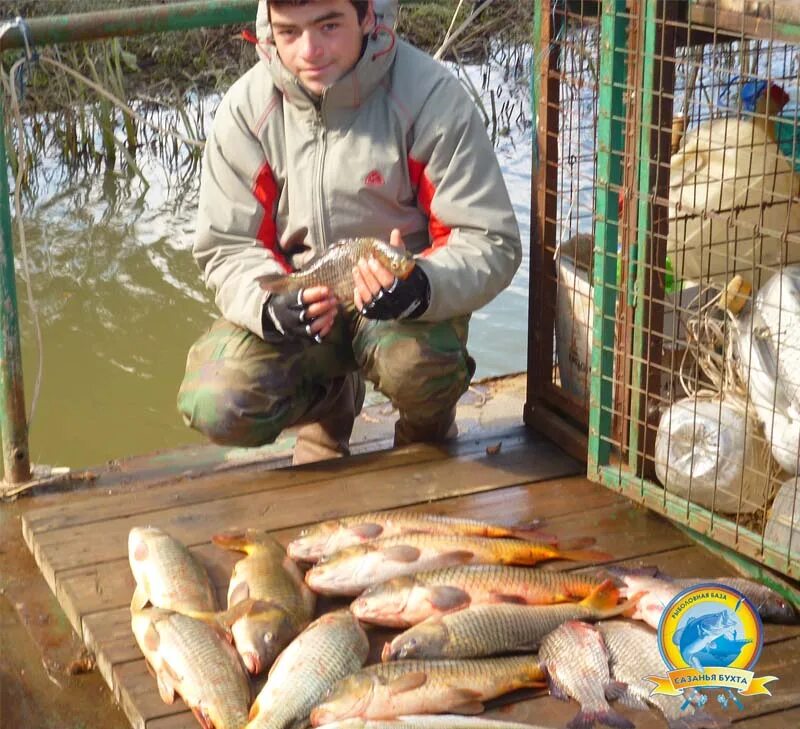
731,167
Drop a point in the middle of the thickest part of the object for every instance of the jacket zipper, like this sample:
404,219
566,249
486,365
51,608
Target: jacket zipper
321,134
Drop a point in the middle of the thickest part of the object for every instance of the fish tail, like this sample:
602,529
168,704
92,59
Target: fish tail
236,541
603,598
608,717
276,283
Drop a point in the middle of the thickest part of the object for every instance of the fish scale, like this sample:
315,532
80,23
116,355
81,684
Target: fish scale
352,570
379,691
331,648
334,268
633,654
577,665
211,676
490,629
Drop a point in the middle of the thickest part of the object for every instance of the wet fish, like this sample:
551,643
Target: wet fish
194,659
167,575
577,666
324,539
334,268
352,570
428,721
332,647
633,655
405,601
282,605
388,690
658,589
487,630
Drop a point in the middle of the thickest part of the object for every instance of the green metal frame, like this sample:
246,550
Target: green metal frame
610,152
736,543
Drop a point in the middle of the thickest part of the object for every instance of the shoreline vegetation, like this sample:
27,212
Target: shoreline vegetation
166,78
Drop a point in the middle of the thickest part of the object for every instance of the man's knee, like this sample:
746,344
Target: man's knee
227,415
428,372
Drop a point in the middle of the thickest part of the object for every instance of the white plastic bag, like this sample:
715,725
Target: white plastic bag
768,344
710,452
783,523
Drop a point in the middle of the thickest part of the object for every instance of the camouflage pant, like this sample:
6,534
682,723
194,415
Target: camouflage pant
240,390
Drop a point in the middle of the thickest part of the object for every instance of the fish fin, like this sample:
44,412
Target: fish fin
255,709
458,556
445,597
202,718
583,555
140,598
699,720
407,682
468,708
615,690
167,679
296,242
236,540
240,593
386,652
275,283
609,717
367,531
557,689
239,610
141,552
631,700
401,553
151,638
603,597
500,597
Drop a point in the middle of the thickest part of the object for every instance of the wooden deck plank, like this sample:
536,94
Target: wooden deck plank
109,585
213,486
276,509
105,631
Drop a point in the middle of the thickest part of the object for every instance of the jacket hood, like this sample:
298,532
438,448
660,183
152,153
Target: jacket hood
348,91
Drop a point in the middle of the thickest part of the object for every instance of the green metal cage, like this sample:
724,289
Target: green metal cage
680,284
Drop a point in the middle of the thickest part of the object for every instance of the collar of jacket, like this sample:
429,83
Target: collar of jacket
350,90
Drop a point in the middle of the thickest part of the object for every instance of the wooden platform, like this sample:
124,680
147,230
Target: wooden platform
81,548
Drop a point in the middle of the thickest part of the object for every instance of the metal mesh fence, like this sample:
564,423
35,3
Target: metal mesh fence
688,142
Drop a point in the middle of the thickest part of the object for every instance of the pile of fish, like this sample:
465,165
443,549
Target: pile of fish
478,620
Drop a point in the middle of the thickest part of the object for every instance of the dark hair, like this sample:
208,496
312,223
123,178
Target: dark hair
361,6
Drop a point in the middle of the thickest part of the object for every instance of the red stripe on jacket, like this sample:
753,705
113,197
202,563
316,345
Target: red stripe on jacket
438,232
266,192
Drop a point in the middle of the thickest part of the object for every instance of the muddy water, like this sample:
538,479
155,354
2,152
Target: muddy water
120,301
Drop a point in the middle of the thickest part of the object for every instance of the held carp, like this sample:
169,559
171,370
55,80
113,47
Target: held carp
334,268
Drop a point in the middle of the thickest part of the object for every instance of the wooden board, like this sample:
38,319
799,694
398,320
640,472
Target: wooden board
81,549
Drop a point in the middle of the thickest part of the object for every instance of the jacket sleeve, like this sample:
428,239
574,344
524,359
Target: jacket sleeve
235,236
475,241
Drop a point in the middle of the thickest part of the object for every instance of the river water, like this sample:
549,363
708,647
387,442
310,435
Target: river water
120,299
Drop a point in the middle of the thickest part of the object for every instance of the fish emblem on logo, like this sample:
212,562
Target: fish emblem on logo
710,636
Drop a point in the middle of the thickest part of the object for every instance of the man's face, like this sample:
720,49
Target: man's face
319,42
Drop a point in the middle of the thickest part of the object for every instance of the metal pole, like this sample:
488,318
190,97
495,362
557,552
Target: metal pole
131,21
13,422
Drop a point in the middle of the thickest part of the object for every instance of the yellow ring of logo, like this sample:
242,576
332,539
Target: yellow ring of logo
720,599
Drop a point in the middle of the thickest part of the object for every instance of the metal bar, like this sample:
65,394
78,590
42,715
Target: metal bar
655,125
78,27
541,316
13,421
610,151
711,525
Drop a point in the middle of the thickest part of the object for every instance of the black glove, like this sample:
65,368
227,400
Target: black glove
285,315
406,298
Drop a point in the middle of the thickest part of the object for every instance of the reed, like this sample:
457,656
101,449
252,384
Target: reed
169,78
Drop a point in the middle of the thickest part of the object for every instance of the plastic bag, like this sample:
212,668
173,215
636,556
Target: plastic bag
710,452
768,343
